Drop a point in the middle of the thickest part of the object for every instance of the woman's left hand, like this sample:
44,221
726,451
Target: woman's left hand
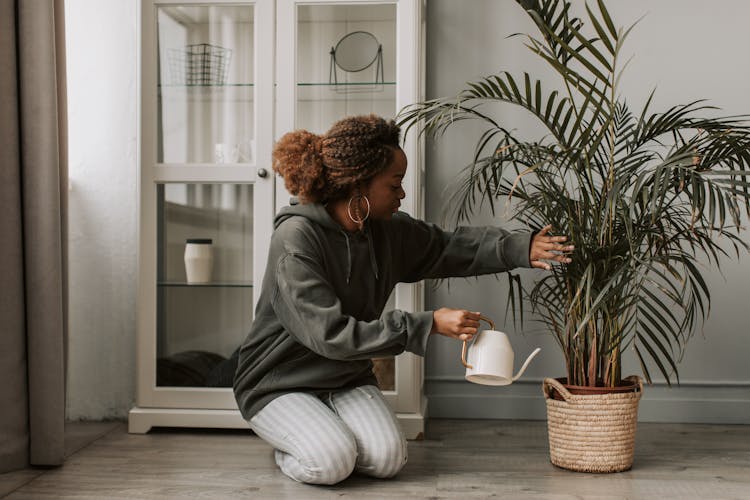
545,247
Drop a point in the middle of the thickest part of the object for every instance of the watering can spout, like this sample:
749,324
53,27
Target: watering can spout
526,363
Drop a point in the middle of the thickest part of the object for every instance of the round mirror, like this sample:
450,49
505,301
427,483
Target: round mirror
356,51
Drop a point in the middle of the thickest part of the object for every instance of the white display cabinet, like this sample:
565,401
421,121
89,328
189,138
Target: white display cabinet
220,82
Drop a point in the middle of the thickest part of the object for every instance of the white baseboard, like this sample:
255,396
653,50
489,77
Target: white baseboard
691,402
142,420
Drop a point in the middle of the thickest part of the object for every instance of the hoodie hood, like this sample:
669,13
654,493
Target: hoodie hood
313,211
318,214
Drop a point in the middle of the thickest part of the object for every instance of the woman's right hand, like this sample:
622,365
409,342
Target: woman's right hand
457,324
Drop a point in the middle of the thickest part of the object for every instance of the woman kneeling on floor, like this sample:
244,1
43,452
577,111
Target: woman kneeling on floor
304,381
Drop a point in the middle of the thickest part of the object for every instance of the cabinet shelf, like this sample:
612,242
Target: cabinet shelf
217,284
352,91
345,84
301,84
205,85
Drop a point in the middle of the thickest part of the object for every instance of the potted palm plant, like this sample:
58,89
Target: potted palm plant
645,197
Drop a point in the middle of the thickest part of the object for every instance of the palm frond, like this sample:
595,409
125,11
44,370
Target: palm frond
645,196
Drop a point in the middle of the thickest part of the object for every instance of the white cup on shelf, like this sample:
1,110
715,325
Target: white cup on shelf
199,260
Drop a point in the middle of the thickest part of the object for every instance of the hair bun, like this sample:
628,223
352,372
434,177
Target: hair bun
297,158
318,143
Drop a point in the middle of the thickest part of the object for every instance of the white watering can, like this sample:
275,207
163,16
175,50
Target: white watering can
491,358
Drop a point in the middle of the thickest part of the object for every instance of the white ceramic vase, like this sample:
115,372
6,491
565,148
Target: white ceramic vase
199,260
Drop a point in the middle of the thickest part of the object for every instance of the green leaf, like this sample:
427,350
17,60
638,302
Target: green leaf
600,31
607,19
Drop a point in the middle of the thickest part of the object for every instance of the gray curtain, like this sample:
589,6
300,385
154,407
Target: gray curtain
33,233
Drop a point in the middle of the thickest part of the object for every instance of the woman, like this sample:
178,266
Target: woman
304,381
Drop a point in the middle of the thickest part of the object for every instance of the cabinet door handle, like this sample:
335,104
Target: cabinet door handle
262,173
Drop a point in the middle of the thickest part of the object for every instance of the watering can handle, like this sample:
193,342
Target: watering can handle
463,349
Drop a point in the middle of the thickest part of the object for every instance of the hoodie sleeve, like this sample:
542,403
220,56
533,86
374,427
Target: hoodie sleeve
429,252
308,308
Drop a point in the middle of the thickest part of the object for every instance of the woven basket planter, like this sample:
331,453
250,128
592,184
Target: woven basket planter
593,432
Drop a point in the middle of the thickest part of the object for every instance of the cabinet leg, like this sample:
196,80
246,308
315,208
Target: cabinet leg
138,423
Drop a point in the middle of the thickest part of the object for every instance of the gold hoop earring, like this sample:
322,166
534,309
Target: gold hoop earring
349,208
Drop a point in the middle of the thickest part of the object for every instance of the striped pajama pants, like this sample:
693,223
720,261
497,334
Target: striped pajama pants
322,440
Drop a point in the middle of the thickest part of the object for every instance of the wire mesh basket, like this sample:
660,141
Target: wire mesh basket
199,64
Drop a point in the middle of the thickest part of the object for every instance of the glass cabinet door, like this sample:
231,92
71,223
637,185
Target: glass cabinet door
345,63
205,84
340,59
206,193
204,281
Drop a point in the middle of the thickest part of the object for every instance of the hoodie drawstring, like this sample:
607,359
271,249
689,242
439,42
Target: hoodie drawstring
371,249
373,262
348,258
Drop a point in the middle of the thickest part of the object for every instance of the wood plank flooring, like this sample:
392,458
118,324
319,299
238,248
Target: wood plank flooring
459,459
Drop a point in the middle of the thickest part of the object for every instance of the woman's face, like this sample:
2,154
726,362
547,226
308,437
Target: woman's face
384,190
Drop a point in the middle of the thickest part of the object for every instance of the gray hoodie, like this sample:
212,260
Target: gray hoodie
318,320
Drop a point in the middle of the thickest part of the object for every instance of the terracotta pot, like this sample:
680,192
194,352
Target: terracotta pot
627,386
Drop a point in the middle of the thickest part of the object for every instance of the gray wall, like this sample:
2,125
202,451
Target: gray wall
687,49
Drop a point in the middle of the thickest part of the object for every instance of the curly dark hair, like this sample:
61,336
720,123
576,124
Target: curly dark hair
322,168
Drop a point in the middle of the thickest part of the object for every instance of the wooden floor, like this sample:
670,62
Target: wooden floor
458,459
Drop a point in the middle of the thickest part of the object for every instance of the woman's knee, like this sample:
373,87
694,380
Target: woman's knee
331,463
387,458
